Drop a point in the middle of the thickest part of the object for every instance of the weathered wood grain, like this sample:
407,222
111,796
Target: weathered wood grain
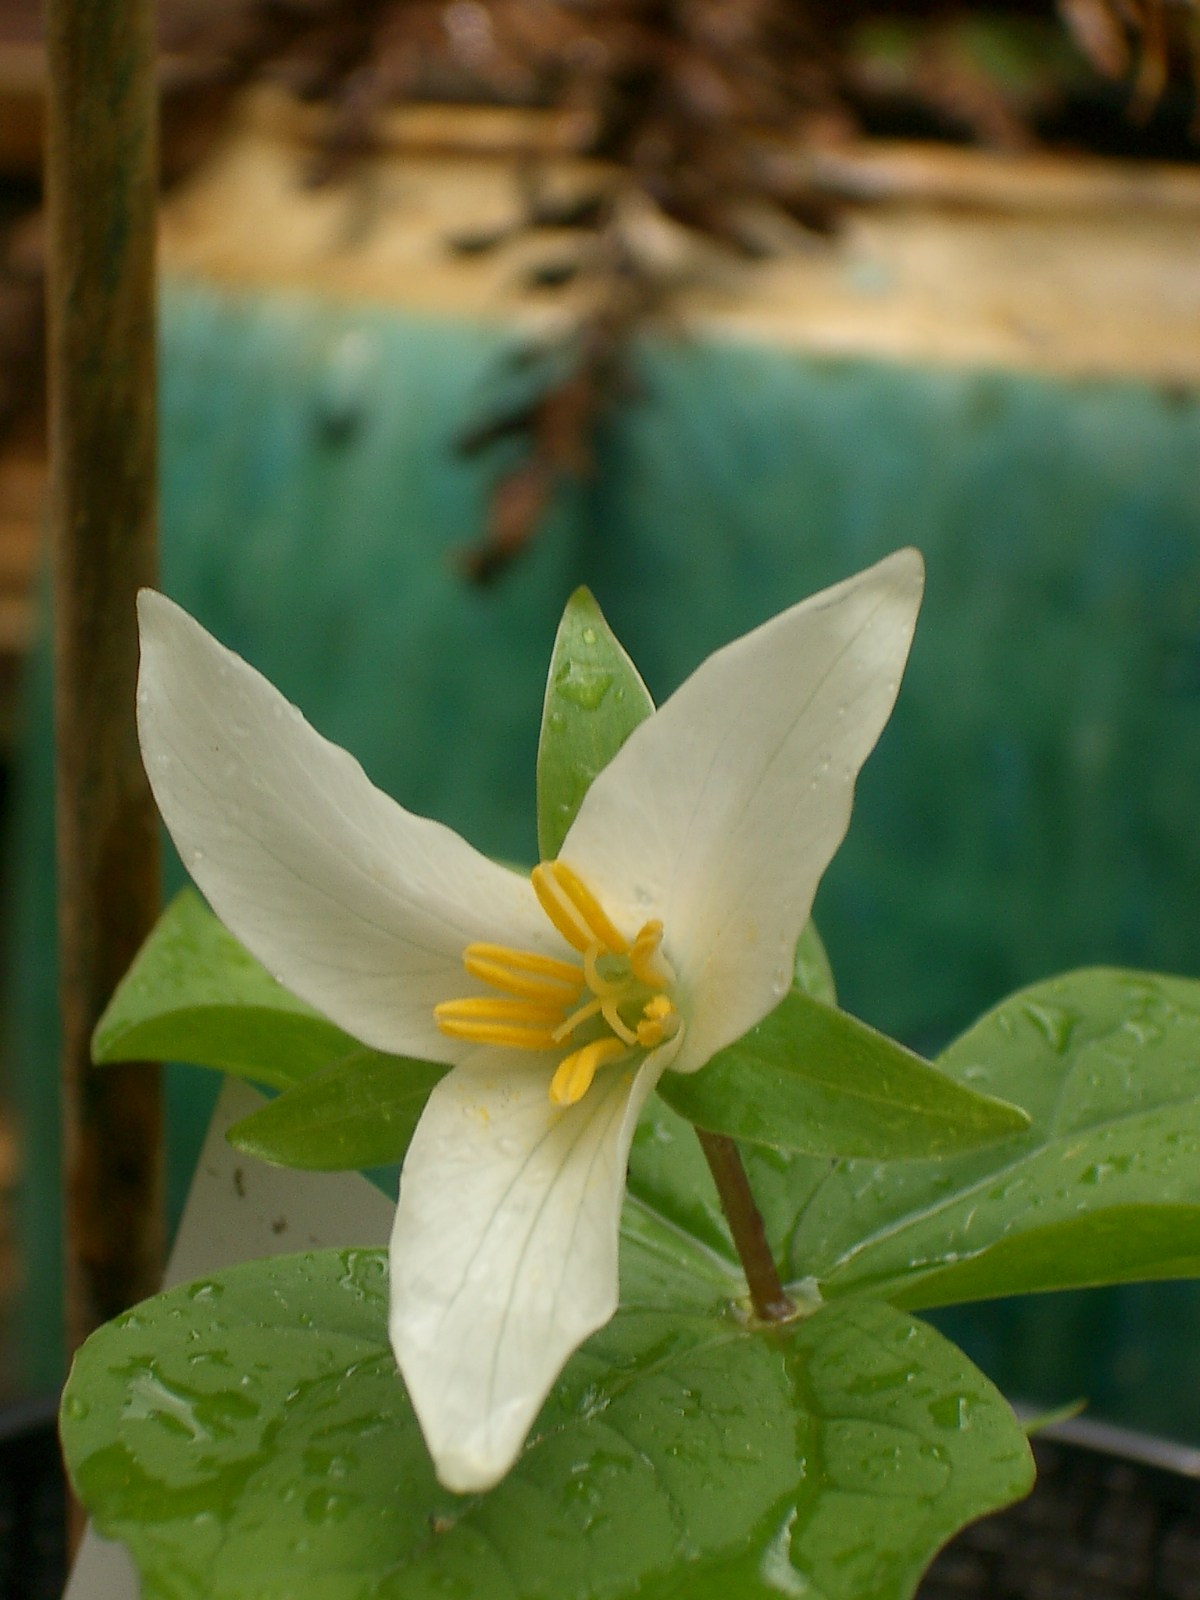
102,177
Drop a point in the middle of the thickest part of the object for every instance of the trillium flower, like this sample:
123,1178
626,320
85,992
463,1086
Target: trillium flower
662,933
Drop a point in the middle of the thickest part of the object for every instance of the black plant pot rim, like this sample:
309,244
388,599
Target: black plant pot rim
1109,1439
28,1415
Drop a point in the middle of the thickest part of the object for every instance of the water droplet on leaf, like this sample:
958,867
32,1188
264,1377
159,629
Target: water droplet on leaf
583,685
951,1411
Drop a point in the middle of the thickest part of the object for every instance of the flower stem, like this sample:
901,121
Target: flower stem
746,1226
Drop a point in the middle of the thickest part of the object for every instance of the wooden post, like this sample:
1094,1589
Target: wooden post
102,173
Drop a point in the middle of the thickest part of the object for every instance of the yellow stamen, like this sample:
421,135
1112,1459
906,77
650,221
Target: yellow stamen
526,961
576,1071
613,1017
535,999
551,991
576,1017
590,909
483,1008
503,1022
643,953
561,911
497,1033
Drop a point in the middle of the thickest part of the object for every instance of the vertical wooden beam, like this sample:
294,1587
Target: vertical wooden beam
102,172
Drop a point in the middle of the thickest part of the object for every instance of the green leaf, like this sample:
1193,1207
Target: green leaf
360,1112
1103,1187
249,1439
813,1079
594,701
813,973
194,994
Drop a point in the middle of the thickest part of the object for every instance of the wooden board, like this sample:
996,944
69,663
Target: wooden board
1078,268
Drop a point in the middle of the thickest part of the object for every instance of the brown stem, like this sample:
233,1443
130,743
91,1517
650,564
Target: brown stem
101,167
746,1226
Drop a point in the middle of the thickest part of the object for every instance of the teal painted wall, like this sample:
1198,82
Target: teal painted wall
1032,806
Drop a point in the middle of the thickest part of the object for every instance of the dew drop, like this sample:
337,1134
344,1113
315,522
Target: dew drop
583,685
1054,1023
951,1411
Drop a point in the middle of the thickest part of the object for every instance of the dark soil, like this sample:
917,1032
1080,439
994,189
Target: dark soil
1094,1528
33,1556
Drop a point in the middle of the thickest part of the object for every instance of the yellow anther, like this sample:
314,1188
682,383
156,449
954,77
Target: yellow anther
642,956
483,1008
526,961
589,908
561,911
501,1034
551,991
503,1022
576,1071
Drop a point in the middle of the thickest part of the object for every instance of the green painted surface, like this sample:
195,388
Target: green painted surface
1031,807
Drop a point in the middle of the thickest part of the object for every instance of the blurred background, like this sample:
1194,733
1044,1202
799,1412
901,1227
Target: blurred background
706,304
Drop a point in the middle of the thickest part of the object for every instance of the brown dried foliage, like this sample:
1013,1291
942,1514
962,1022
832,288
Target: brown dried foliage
693,102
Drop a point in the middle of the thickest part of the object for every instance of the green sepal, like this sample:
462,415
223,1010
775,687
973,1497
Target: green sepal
248,1437
595,698
359,1112
813,974
814,1080
193,993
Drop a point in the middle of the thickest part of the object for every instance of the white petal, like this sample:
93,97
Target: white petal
353,903
504,1252
723,809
